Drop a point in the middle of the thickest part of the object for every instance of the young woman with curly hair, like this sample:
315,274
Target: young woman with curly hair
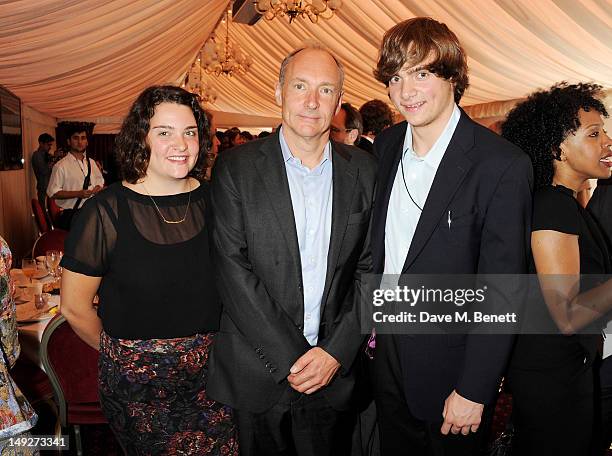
142,246
551,375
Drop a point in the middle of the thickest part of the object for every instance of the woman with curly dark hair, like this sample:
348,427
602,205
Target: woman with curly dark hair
551,375
142,246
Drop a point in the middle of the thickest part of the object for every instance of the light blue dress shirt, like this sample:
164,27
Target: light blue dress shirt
402,213
311,197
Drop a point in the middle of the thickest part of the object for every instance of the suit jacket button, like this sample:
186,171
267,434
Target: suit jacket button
268,364
300,327
261,356
272,370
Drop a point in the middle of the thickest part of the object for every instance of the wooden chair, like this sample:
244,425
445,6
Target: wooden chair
72,367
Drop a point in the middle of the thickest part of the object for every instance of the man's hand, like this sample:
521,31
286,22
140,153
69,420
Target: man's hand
312,371
460,415
96,189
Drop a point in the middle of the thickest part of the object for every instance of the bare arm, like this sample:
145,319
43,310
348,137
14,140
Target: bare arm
67,194
78,291
557,260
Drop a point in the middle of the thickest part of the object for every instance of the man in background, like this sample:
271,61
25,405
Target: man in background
42,162
74,178
377,116
346,126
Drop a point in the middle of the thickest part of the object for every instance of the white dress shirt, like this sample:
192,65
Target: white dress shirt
69,174
311,197
402,213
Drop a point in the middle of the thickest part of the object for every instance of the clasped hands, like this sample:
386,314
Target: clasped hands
312,371
460,415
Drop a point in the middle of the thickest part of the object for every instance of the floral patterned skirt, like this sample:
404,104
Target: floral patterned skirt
153,395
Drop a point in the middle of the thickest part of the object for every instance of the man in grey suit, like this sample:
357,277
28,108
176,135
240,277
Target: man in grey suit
291,216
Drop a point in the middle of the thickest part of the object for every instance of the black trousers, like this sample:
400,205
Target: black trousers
553,410
403,434
298,425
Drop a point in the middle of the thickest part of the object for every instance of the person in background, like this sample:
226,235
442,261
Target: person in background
16,415
551,375
234,137
247,136
346,126
75,178
600,206
376,116
42,162
142,246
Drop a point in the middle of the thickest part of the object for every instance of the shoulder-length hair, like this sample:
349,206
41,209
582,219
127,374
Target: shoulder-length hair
414,41
132,151
539,124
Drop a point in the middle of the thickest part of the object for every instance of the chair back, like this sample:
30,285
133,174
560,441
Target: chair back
51,240
72,367
53,209
39,216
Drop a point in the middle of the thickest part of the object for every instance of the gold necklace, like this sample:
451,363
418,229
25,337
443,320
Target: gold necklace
171,222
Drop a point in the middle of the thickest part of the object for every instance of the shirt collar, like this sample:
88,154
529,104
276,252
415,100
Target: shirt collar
76,159
436,153
288,155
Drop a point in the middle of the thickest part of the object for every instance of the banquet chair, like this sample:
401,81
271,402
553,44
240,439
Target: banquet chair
53,209
51,240
72,367
39,216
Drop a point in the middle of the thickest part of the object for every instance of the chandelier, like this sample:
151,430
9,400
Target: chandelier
222,57
312,9
195,84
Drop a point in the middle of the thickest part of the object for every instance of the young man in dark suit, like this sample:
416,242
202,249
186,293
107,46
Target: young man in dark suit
452,198
291,217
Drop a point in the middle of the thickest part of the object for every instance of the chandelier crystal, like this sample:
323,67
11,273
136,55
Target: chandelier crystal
220,57
312,9
195,84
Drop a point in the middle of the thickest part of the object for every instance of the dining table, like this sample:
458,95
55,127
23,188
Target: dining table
32,321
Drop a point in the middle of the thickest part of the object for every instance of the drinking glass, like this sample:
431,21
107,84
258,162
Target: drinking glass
28,267
52,260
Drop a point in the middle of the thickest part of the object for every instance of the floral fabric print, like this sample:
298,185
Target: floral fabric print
153,394
16,415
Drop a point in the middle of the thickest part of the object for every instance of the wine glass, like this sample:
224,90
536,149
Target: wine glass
52,260
28,267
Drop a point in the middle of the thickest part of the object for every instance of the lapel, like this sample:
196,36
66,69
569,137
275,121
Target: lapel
344,176
388,164
452,170
271,168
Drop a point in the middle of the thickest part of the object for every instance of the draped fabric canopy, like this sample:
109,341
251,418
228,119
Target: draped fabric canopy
90,58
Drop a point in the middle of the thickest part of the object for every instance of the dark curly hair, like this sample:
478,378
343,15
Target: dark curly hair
541,123
376,116
133,152
413,41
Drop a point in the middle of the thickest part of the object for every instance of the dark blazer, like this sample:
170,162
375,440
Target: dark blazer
260,277
486,183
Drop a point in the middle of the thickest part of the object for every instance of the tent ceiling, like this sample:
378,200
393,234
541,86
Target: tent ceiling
90,58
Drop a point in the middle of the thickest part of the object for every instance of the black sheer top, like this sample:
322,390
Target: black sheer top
157,278
556,209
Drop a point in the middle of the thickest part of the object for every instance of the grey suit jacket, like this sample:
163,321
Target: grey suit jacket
260,278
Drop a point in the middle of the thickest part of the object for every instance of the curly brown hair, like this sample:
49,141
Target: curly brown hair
133,152
415,40
541,123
